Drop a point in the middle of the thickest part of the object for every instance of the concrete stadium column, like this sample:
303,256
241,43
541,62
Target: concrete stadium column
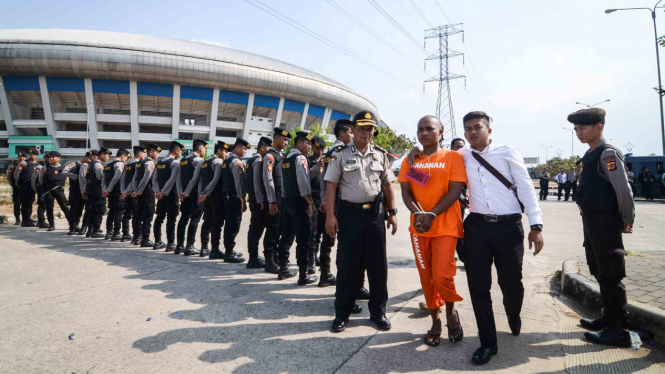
304,116
134,112
213,114
280,110
326,118
92,114
48,113
175,127
248,117
6,110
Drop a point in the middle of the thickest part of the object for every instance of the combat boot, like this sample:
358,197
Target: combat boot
216,254
234,257
51,228
271,266
159,245
170,247
89,232
146,243
72,230
96,234
29,224
190,250
305,278
204,252
285,272
126,238
256,263
327,279
82,231
311,266
43,225
116,236
18,222
178,248
108,235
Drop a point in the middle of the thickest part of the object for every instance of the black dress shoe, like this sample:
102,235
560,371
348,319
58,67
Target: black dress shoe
357,309
216,254
96,235
126,238
609,336
136,242
178,249
159,245
594,324
327,280
381,322
204,252
339,324
147,244
306,279
116,238
515,324
190,250
43,225
232,258
483,355
363,294
28,224
170,247
256,263
51,228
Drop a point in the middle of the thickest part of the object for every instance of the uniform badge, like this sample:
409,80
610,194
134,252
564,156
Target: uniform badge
376,157
269,168
611,163
332,159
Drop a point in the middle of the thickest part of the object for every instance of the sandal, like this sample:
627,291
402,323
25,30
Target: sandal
432,339
458,328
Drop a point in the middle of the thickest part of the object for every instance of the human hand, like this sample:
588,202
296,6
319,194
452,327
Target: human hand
135,195
423,222
310,210
273,210
536,237
84,196
323,207
181,197
263,206
331,225
105,193
202,198
627,228
392,221
123,196
411,158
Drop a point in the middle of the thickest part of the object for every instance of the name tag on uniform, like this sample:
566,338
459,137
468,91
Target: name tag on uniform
107,168
351,161
128,168
204,166
138,165
417,176
184,162
286,165
161,166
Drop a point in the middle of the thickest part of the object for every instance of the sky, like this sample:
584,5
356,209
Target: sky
527,62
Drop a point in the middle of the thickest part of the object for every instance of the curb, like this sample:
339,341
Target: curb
641,315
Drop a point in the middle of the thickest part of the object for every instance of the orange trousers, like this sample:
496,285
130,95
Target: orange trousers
435,260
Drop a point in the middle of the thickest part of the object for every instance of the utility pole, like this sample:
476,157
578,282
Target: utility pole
444,103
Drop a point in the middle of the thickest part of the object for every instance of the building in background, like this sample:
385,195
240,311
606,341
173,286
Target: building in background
62,88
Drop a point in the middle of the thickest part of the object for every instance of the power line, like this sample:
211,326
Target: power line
442,12
328,42
397,25
421,14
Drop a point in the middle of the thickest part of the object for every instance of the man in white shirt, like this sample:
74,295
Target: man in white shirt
561,181
493,231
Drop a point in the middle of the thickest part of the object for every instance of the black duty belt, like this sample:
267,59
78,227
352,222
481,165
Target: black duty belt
496,218
358,206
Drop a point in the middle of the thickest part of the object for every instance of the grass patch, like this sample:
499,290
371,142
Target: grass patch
557,274
635,254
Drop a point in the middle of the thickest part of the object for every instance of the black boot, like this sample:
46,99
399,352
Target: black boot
311,268
190,250
363,294
28,224
610,336
204,252
51,228
126,238
96,234
170,247
108,235
89,232
327,279
305,278
43,225
82,231
216,254
136,240
116,235
271,266
146,243
72,230
233,257
159,245
594,324
256,263
284,272
178,249
18,222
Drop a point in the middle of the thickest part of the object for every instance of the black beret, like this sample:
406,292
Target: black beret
21,154
282,132
344,122
138,148
33,151
201,142
589,116
265,141
365,118
178,144
154,146
94,152
87,154
305,135
221,145
241,141
47,154
54,154
122,152
320,141
105,150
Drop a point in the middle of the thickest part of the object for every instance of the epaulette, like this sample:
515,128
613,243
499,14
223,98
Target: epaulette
379,148
339,147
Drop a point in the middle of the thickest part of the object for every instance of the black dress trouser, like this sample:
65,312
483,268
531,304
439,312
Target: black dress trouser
296,223
58,195
605,253
361,234
116,211
257,223
17,203
27,197
319,230
560,187
213,220
145,210
501,243
647,190
233,219
127,214
544,190
167,208
191,211
273,224
41,207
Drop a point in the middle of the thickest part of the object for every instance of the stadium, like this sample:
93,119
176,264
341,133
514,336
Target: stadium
63,89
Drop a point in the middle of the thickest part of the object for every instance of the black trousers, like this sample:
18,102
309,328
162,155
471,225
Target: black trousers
27,198
213,220
632,187
41,207
233,219
257,223
191,212
296,223
560,187
605,253
167,208
273,230
87,204
97,204
318,230
544,190
571,189
128,212
361,233
501,243
647,190
49,201
16,201
76,204
116,211
145,210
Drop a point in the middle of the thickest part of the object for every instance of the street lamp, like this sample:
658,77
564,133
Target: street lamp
546,146
660,85
87,129
591,106
572,141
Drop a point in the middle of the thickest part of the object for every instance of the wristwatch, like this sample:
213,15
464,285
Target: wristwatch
392,211
537,227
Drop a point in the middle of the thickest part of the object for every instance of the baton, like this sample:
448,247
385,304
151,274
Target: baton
48,192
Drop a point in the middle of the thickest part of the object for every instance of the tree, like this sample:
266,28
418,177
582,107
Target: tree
316,130
557,163
393,143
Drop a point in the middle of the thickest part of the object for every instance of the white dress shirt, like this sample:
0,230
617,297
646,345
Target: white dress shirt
561,178
487,195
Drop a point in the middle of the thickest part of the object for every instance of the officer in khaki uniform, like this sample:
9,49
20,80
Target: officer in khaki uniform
361,172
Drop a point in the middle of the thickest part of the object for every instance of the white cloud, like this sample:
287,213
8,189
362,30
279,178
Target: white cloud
213,42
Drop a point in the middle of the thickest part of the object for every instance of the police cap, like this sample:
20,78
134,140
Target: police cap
153,146
122,152
47,154
590,116
105,150
221,145
21,154
94,152
241,141
265,141
282,132
319,141
54,154
198,142
304,135
365,118
175,144
138,148
33,151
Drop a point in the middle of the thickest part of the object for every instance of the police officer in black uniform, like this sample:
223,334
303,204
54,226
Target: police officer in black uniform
191,209
16,201
53,183
272,181
233,186
112,191
23,176
95,193
83,183
71,171
360,171
544,184
608,210
144,197
126,189
37,186
256,192
316,162
166,192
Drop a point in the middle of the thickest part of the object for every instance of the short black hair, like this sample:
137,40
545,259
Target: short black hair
173,148
477,114
198,146
452,143
340,128
300,139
